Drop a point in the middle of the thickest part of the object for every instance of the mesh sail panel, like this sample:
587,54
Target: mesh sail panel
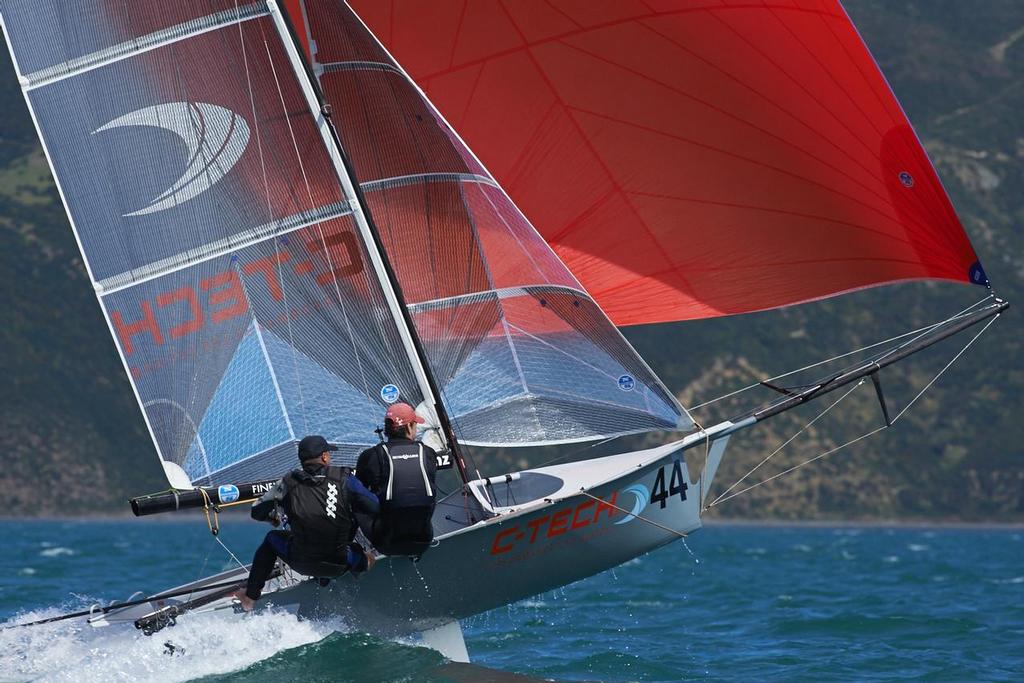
214,228
520,351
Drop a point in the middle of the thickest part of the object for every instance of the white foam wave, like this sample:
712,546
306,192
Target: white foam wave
56,552
1016,579
533,604
203,644
917,547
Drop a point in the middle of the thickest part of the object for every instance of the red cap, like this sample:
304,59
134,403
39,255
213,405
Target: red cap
402,414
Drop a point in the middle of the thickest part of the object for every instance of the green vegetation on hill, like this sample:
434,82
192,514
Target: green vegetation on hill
72,438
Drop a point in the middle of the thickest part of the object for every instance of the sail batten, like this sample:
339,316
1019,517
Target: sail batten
416,178
500,293
356,65
143,44
227,245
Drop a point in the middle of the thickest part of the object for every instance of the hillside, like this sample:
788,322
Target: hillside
72,439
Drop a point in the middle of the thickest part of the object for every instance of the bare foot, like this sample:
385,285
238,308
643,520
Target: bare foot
246,602
371,559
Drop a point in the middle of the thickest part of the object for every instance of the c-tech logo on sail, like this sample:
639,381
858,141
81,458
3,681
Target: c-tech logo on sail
215,137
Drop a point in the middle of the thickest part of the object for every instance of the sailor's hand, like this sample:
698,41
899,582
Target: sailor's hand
244,601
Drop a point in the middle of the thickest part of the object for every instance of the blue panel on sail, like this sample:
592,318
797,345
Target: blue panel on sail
244,416
324,404
194,353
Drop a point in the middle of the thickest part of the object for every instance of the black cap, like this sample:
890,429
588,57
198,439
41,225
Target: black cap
313,446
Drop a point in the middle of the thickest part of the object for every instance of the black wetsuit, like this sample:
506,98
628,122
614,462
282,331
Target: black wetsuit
401,473
320,505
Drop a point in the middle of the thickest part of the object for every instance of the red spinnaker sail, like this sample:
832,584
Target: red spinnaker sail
688,158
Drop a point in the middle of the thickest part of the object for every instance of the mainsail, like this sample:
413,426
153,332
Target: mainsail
688,158
238,267
213,225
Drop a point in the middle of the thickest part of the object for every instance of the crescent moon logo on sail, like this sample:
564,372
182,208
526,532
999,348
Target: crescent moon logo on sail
641,497
216,139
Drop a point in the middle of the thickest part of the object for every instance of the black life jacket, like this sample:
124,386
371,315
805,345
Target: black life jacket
406,502
408,485
319,514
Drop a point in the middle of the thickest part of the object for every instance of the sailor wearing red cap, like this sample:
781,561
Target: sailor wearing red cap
401,472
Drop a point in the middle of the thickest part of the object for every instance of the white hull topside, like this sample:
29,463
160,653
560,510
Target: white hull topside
526,533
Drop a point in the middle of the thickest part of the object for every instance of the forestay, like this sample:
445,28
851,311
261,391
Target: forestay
521,352
214,228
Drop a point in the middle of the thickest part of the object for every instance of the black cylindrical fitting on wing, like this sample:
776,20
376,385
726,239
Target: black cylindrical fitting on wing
187,499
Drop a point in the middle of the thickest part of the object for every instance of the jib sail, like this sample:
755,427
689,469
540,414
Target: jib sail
521,352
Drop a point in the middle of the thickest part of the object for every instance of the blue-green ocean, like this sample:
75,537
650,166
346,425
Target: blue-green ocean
739,603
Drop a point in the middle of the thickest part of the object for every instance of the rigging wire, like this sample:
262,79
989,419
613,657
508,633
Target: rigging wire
680,534
228,551
213,523
920,332
789,440
915,334
312,206
577,451
723,498
796,467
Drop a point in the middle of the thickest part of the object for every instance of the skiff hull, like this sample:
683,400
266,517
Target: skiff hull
564,523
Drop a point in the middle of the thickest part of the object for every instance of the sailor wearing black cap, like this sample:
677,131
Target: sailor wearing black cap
318,503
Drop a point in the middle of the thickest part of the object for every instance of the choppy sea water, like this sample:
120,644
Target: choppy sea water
739,603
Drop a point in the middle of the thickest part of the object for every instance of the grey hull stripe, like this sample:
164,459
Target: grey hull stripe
502,293
241,240
150,41
418,178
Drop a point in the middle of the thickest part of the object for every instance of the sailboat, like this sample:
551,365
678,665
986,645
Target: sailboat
286,235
